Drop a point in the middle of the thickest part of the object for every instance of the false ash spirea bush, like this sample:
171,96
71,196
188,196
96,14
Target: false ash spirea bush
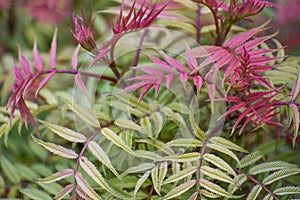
172,109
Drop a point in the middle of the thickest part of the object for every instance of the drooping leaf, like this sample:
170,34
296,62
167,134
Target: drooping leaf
100,154
57,149
179,190
65,133
58,176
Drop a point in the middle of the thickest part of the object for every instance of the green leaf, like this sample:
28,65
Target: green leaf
158,122
184,142
187,157
296,121
65,133
270,166
57,149
216,174
287,190
218,162
196,129
82,112
35,194
100,154
251,159
214,188
209,194
64,192
224,150
254,192
280,175
146,125
92,171
181,175
114,138
27,173
58,176
50,188
138,169
128,124
140,182
85,187
179,190
155,180
268,197
228,144
10,171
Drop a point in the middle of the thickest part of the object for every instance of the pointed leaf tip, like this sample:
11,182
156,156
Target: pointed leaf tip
37,59
74,61
53,50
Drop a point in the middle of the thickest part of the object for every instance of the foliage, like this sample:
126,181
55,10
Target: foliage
153,111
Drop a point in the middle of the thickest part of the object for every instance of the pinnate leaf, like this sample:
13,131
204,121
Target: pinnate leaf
57,149
65,133
85,187
64,192
179,190
100,154
58,176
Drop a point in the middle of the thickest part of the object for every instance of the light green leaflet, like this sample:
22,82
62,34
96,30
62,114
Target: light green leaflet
65,133
57,149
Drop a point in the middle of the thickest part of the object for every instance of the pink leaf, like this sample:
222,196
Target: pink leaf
24,63
37,57
152,71
53,51
18,74
184,77
161,64
190,58
198,81
74,62
169,78
173,62
144,91
79,82
98,57
234,108
44,82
